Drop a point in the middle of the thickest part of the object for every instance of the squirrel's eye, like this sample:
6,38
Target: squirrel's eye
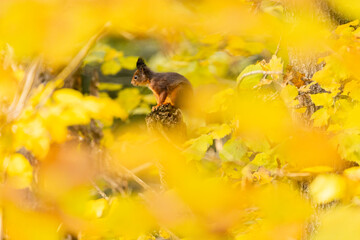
135,77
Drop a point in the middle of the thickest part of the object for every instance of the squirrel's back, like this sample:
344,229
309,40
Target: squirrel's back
168,87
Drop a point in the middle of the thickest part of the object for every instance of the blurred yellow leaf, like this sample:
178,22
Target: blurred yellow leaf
110,67
264,159
352,173
19,171
67,96
35,225
96,208
129,98
288,94
233,150
127,217
321,117
327,188
128,62
109,86
197,147
220,101
221,131
339,222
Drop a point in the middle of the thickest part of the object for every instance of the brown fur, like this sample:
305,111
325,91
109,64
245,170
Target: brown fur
168,87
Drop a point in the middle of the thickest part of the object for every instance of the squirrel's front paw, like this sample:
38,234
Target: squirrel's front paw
154,108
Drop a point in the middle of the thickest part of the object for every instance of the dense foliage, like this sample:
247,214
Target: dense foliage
272,148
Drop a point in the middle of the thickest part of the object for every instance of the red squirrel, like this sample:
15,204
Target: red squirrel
168,87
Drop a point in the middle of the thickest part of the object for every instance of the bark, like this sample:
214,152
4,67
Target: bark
167,119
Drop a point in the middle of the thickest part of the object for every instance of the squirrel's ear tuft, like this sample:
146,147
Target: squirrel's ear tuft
140,63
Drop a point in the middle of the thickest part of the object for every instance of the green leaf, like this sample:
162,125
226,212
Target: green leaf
265,160
198,147
221,131
234,150
250,81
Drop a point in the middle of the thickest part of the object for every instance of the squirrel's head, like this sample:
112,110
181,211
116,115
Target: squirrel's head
142,75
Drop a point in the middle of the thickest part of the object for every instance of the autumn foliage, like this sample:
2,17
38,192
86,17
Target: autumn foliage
272,148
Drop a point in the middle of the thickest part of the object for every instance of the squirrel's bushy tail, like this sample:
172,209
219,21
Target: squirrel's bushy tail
183,96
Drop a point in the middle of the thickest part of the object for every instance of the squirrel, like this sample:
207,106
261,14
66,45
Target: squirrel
168,87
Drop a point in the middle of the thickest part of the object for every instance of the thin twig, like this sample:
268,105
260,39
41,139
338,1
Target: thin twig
18,102
103,195
258,72
277,48
137,179
142,167
148,188
114,185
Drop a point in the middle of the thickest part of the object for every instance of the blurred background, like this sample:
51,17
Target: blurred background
268,150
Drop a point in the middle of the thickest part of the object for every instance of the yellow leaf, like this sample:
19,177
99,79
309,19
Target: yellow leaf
95,208
288,94
346,28
264,159
68,96
234,150
111,54
339,223
129,98
110,67
109,86
198,147
221,131
128,62
276,65
19,171
320,117
220,101
127,217
353,173
322,99
352,89
35,225
327,188
332,74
